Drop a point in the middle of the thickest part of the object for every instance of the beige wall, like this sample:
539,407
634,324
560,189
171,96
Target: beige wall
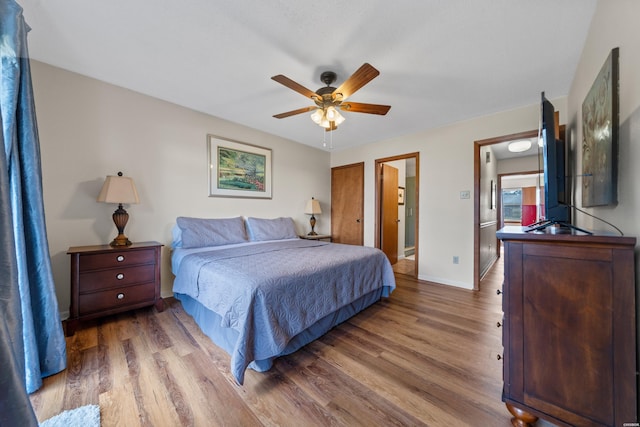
614,25
90,129
519,164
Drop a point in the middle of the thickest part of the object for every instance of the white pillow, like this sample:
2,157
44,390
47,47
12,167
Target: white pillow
201,232
261,229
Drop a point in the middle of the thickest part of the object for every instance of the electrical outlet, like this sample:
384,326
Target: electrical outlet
465,194
456,259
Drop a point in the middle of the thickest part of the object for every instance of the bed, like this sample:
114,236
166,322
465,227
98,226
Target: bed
260,292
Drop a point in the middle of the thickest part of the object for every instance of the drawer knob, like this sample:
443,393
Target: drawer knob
498,324
120,276
120,258
498,291
120,296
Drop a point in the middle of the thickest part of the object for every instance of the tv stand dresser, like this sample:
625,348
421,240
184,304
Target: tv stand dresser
569,328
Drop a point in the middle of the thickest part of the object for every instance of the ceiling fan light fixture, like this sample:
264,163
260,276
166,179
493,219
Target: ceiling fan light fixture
317,116
324,117
325,123
332,113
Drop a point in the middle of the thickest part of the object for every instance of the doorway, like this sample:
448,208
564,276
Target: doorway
482,238
397,217
486,247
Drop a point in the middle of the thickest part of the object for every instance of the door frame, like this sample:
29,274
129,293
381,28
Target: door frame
477,196
378,201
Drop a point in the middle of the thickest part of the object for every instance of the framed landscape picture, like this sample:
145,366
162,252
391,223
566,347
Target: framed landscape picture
600,137
237,169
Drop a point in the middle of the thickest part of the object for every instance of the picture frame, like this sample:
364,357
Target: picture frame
400,195
238,169
600,111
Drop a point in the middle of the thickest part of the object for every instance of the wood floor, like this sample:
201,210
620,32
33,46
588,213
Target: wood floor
404,266
425,356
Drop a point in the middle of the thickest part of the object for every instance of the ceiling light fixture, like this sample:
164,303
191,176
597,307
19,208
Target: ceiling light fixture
519,146
325,116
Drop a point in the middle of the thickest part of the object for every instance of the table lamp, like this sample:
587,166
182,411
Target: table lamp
313,208
119,189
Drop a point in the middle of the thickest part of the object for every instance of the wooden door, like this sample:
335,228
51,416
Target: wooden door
389,220
347,204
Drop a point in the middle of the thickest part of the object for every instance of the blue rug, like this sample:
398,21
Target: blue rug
84,416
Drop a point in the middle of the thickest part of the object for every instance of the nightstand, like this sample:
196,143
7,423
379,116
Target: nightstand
107,280
326,237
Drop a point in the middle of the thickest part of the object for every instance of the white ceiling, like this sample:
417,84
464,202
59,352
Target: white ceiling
440,61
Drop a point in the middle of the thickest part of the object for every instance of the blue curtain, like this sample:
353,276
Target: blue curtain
25,240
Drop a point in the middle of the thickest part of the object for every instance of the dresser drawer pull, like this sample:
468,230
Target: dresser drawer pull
120,296
120,258
498,324
120,276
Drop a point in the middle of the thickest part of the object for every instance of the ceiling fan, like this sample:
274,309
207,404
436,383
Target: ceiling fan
329,99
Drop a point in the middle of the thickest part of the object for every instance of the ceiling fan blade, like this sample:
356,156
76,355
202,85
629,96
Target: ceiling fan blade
294,112
358,107
361,77
286,81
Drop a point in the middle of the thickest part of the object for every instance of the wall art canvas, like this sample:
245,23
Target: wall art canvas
600,137
237,169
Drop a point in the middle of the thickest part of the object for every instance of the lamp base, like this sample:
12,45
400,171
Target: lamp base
120,240
120,219
312,221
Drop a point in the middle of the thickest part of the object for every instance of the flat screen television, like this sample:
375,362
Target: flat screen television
556,200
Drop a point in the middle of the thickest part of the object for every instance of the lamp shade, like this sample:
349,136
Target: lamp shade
118,189
313,207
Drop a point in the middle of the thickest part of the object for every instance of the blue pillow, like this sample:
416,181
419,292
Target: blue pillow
201,232
261,229
176,236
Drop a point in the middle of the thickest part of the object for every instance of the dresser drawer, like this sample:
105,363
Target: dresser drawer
117,277
113,259
115,299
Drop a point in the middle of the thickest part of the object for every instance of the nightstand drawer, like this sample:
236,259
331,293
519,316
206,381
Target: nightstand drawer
114,299
105,279
116,259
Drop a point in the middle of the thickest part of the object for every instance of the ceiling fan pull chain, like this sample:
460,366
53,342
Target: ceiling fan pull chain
330,140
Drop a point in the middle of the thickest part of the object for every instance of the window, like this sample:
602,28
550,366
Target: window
512,204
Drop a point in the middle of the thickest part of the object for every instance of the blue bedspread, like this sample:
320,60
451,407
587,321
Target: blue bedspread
271,292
